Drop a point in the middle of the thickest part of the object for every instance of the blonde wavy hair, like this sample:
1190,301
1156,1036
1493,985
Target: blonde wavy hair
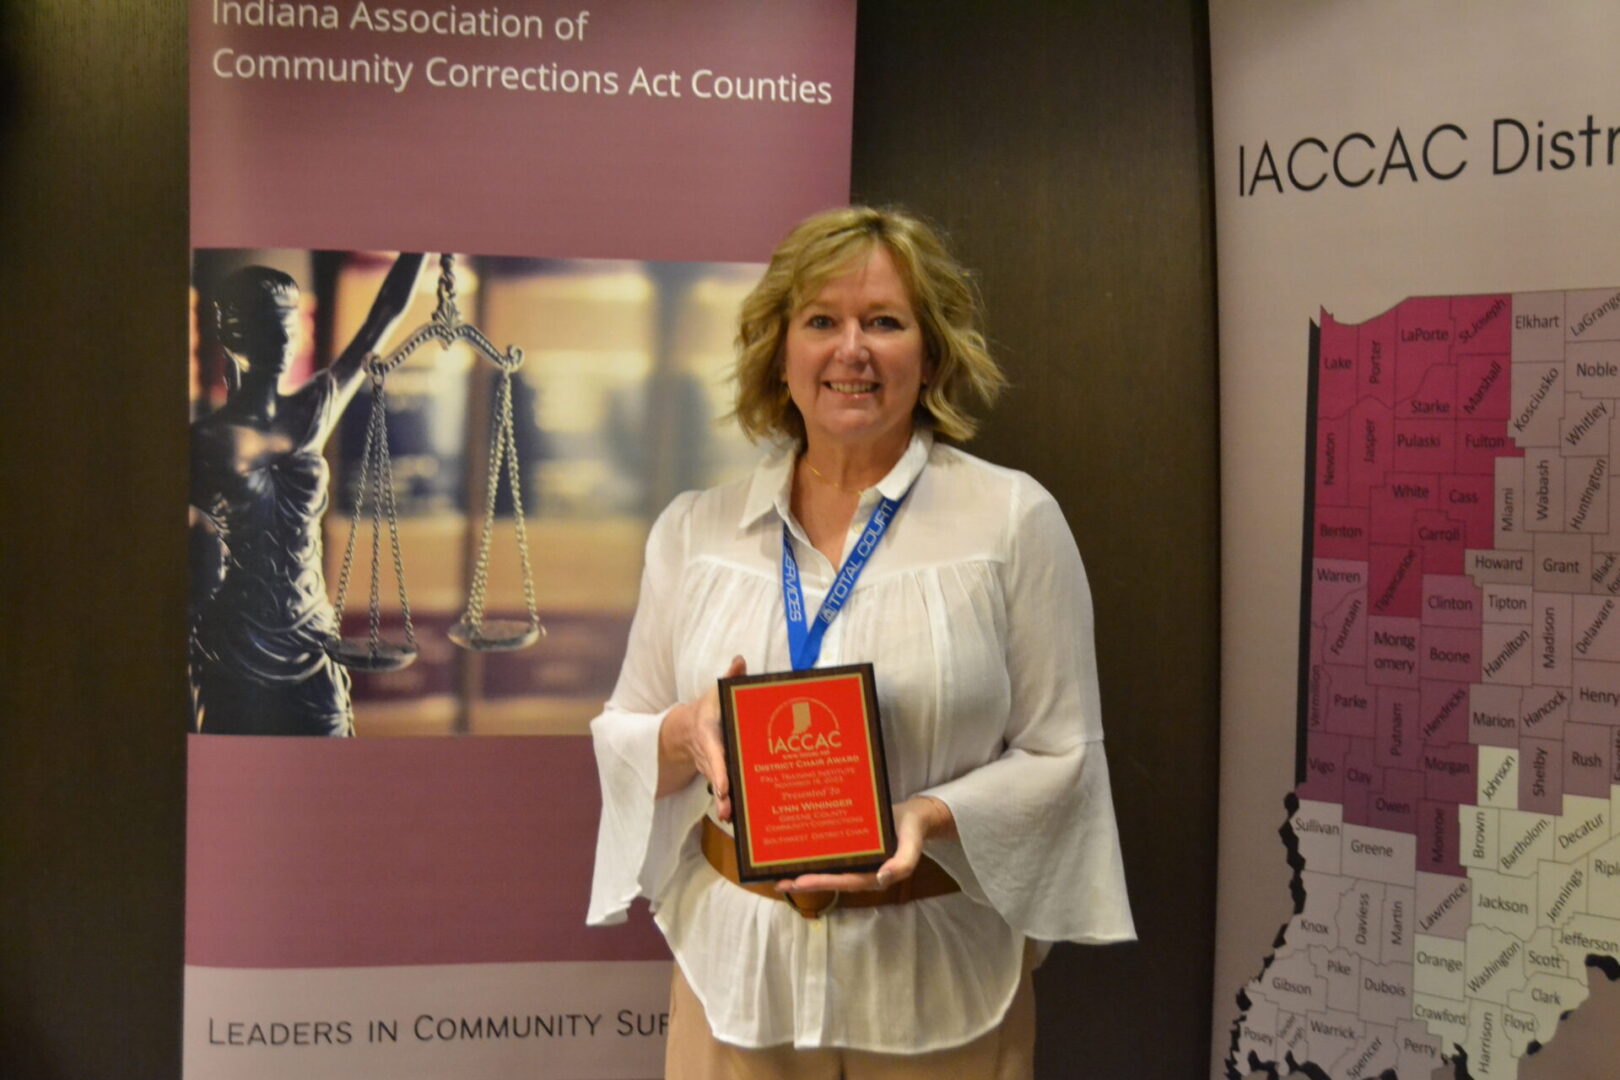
943,297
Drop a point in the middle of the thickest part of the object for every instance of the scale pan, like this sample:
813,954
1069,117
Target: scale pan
496,635
356,653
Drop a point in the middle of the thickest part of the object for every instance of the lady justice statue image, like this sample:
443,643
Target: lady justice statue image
260,616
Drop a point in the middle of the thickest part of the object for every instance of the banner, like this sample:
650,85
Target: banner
1420,362
421,484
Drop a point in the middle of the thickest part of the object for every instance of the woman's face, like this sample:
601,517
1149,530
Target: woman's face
265,335
855,357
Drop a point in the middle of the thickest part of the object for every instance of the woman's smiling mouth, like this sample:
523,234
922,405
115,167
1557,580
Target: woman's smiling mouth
853,387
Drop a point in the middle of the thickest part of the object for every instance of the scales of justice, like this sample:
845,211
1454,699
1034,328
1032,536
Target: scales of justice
375,490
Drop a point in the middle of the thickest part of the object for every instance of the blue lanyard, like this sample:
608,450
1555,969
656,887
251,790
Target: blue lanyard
804,642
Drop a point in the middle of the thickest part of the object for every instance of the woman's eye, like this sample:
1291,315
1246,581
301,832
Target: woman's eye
887,322
819,322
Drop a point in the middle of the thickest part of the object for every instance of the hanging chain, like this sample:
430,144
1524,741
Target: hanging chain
385,479
376,481
502,446
354,516
379,408
492,479
512,477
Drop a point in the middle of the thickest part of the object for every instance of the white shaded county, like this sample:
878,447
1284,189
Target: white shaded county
1447,1020
1543,957
1439,970
1583,827
1489,1055
1374,1054
1562,891
1494,964
1603,889
1505,902
1418,1049
1332,1035
1292,1035
1399,905
1291,983
1360,918
1318,923
1379,855
1499,777
1521,1029
1386,994
1318,827
1341,971
1257,1033
1587,935
1547,998
1523,839
1478,836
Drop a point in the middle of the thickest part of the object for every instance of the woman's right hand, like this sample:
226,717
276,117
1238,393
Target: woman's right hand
689,745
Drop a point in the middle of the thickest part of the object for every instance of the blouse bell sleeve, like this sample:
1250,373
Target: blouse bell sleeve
639,840
1038,839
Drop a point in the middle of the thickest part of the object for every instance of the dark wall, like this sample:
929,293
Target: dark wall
1064,147
92,497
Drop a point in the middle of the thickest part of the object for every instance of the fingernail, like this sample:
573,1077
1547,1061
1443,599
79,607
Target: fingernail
883,877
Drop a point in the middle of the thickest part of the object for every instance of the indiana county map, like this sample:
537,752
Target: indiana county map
1452,831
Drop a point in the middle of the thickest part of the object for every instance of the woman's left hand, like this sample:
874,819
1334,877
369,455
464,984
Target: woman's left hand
915,820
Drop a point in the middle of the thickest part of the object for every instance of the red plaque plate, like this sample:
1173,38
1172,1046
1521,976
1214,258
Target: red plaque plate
809,791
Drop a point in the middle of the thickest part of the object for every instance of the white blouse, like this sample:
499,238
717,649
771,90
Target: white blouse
975,612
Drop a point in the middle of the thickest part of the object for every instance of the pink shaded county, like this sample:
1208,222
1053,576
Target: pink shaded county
1449,773
1344,632
1470,500
1442,542
1395,807
1433,398
1371,437
1541,771
1482,387
1442,713
1324,768
1336,389
1375,349
1394,504
1332,461
1423,332
1437,838
1341,533
1544,710
1450,653
1392,651
1396,737
1480,443
1425,446
1484,323
1331,581
1362,780
1395,584
1349,703
1588,759
1319,687
1451,601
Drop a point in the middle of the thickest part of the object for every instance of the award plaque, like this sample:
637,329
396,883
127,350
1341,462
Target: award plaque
809,790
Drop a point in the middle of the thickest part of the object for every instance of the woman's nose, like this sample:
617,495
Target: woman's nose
852,343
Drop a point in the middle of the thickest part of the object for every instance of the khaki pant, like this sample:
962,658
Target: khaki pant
1006,1052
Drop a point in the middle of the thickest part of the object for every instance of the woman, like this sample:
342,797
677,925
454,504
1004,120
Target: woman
260,615
860,352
